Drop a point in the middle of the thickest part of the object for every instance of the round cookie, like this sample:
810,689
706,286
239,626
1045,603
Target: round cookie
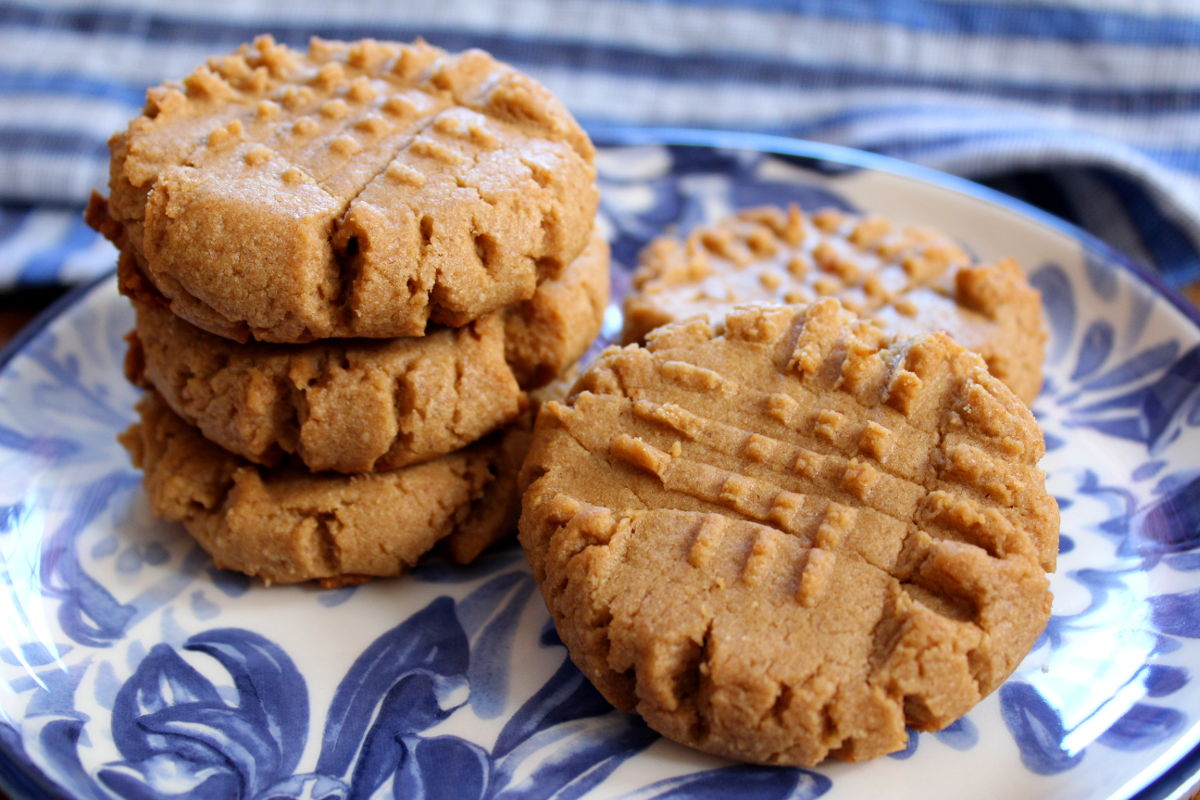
285,525
911,279
356,189
362,405
789,537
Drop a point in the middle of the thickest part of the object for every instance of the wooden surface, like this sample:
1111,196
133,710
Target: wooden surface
12,321
18,310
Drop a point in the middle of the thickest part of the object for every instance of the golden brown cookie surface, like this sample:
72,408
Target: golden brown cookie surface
360,189
363,405
912,280
286,525
791,537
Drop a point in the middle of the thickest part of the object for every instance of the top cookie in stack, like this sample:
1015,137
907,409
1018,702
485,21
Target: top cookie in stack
362,189
349,266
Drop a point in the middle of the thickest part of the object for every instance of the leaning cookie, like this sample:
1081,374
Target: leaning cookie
285,525
362,189
911,279
788,537
362,405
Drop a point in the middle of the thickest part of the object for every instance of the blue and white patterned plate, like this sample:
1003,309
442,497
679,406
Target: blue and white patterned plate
131,668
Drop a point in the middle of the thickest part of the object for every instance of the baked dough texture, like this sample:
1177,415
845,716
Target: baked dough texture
365,405
358,189
286,525
910,279
785,536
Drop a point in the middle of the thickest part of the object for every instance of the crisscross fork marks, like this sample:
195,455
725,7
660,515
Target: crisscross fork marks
908,280
818,463
330,149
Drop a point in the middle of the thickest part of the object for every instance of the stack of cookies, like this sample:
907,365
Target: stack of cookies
350,266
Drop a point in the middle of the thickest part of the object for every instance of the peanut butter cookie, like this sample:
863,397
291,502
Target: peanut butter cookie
913,280
361,405
787,536
356,189
285,525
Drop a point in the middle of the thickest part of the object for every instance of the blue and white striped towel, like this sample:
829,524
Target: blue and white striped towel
1089,109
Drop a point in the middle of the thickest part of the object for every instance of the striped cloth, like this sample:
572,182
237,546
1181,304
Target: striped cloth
1088,108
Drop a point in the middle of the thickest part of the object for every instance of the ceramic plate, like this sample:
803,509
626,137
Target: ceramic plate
131,667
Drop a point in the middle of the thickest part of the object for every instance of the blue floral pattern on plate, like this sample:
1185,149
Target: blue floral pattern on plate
135,669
